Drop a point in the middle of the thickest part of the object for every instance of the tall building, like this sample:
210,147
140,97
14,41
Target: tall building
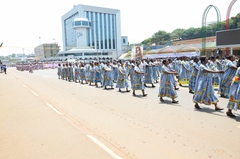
95,28
45,51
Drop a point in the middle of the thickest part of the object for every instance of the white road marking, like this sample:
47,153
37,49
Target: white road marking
104,147
44,76
35,93
238,126
24,86
54,109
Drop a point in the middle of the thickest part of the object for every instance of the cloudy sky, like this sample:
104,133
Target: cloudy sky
24,21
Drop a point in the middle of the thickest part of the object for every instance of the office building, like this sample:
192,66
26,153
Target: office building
90,32
46,51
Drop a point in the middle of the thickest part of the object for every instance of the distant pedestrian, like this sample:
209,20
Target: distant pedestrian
59,72
4,67
30,68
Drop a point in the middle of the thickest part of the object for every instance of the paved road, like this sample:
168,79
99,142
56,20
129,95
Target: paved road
44,117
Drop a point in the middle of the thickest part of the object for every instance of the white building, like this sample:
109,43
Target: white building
90,32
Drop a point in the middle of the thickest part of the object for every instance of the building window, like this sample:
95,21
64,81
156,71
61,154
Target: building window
124,41
84,23
77,23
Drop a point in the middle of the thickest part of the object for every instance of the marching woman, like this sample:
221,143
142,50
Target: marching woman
64,71
98,74
138,81
77,73
155,70
30,68
148,73
107,76
70,72
91,73
83,73
185,72
234,93
114,71
227,76
167,83
131,71
59,72
204,91
122,81
192,81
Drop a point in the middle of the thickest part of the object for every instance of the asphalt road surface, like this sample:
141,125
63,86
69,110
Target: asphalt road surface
44,117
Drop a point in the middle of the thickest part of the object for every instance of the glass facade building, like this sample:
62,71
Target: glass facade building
104,33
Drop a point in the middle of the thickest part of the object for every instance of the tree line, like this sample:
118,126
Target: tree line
164,38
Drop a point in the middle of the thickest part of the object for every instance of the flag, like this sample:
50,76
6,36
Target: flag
1,44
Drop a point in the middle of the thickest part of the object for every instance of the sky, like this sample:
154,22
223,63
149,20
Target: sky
26,24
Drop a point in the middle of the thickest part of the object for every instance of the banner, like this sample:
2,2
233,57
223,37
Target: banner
137,53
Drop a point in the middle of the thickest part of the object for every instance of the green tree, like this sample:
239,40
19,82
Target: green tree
147,41
160,37
177,34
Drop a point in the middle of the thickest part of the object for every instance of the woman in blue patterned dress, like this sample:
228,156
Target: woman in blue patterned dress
115,71
204,91
185,72
148,74
155,70
59,72
192,81
64,71
227,77
234,93
77,73
138,81
91,77
98,74
70,72
122,81
107,76
83,73
167,83
131,72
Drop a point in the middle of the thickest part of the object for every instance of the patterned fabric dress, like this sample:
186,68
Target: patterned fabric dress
216,77
234,93
91,77
70,73
115,72
64,72
148,74
107,76
98,74
138,80
204,91
167,84
77,73
227,79
184,74
131,73
59,72
155,71
122,81
83,73
192,81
